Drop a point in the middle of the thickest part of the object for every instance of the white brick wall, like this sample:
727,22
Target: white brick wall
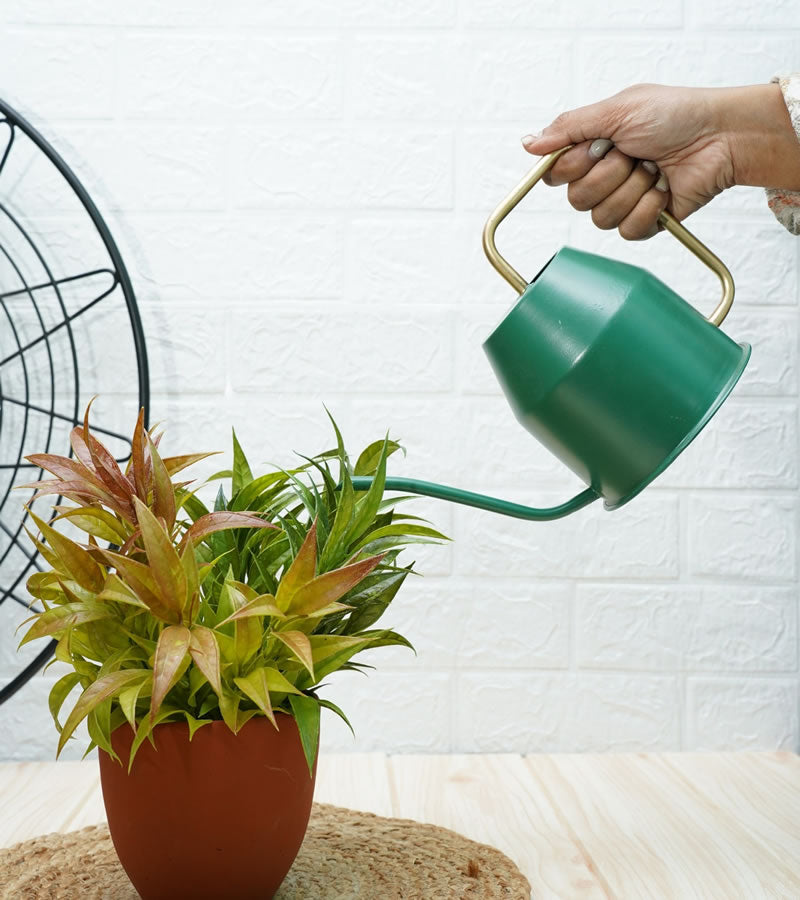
298,187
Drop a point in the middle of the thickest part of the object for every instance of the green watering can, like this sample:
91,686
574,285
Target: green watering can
603,364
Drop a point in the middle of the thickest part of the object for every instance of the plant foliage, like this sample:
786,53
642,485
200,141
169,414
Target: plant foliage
170,610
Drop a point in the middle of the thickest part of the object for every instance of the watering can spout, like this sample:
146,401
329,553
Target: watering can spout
481,501
605,365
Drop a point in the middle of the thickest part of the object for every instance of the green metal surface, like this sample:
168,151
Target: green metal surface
608,368
481,501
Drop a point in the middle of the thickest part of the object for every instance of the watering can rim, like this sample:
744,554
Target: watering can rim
692,434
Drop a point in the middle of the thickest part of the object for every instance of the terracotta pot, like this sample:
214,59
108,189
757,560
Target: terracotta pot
222,816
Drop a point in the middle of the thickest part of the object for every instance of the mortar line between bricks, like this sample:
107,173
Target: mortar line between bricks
572,628
776,676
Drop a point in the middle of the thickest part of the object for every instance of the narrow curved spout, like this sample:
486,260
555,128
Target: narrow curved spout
481,501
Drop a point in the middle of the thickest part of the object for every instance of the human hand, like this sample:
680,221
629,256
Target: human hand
700,141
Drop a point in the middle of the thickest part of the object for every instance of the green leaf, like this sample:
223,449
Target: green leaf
60,618
96,521
341,523
171,651
341,453
369,612
367,505
370,458
193,505
128,698
258,684
330,651
242,476
145,730
98,725
258,488
76,561
59,693
257,607
116,591
299,645
194,724
306,713
400,530
335,708
99,690
247,631
47,554
45,586
229,709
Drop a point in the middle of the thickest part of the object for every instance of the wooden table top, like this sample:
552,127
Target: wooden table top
580,826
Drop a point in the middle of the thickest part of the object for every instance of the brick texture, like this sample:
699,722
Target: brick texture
298,188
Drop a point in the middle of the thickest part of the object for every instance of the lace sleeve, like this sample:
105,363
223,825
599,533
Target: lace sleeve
786,204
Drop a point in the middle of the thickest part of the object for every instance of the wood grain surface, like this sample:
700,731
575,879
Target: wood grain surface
716,826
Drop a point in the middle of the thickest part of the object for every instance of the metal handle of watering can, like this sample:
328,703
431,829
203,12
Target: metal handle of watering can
670,223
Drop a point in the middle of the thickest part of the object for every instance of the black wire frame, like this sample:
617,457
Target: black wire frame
120,277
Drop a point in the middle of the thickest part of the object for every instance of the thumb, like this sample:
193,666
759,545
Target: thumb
586,123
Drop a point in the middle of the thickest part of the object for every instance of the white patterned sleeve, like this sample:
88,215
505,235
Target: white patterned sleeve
786,204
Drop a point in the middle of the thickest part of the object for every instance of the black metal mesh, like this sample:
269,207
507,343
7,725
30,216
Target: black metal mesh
69,329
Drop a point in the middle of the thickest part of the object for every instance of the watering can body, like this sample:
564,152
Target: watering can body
611,370
604,364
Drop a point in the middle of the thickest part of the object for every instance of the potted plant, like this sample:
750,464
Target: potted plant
198,639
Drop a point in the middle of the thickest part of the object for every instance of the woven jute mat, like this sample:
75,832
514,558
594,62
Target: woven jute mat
346,855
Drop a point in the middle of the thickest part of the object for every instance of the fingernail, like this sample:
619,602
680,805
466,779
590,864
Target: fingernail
600,147
531,138
650,166
661,184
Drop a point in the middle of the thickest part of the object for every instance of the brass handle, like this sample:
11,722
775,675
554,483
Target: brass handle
696,246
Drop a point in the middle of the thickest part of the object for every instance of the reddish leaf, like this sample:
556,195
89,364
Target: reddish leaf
79,447
63,467
163,490
300,572
204,650
139,577
221,520
138,445
324,589
257,606
175,464
106,466
64,617
98,691
300,646
163,559
171,650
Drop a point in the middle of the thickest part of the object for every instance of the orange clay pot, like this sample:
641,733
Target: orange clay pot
222,816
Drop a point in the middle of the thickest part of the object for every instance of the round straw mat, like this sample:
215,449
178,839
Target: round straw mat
346,855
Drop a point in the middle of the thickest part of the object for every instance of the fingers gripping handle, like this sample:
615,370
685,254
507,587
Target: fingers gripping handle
670,223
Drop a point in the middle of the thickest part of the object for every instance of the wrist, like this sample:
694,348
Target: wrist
755,124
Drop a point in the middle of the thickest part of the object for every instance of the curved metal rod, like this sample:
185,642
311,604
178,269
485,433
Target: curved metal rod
481,501
669,222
